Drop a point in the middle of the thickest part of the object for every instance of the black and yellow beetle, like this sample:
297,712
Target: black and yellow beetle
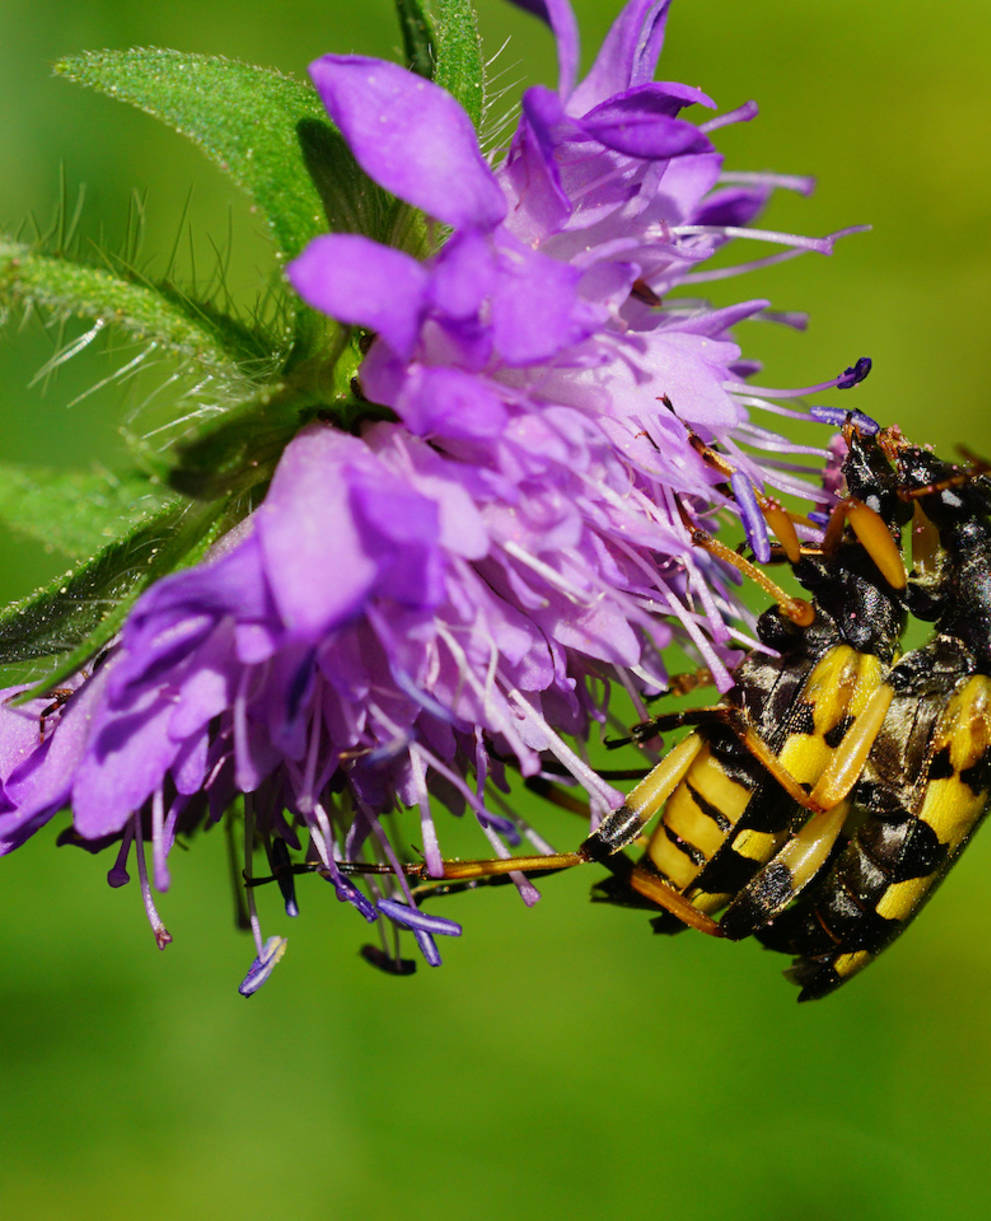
926,784
753,802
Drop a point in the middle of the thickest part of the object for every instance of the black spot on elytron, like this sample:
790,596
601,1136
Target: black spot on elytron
940,767
771,888
833,737
904,850
978,777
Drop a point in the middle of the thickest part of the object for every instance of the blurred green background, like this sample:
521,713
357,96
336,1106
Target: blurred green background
563,1061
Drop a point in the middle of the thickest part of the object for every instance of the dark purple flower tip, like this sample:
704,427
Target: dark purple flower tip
837,417
263,965
382,961
855,374
753,520
412,917
820,519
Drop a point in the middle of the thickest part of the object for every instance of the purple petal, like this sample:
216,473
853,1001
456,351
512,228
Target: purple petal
412,137
627,57
561,18
361,282
536,310
639,123
733,206
314,554
451,403
43,781
124,765
20,735
402,528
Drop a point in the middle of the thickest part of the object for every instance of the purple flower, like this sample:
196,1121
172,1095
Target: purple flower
419,602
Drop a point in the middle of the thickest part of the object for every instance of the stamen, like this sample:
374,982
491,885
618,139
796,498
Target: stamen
428,947
838,417
849,377
853,376
159,866
428,831
118,875
162,935
742,114
821,245
597,789
263,966
804,184
754,525
726,273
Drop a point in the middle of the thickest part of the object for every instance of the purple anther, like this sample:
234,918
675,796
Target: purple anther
820,519
502,825
412,917
753,520
262,967
428,947
837,417
347,892
869,427
855,374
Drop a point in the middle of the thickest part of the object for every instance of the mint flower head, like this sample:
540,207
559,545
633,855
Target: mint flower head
455,582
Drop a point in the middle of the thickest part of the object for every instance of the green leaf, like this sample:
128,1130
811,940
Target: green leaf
79,612
352,202
243,117
441,41
74,512
238,450
173,322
